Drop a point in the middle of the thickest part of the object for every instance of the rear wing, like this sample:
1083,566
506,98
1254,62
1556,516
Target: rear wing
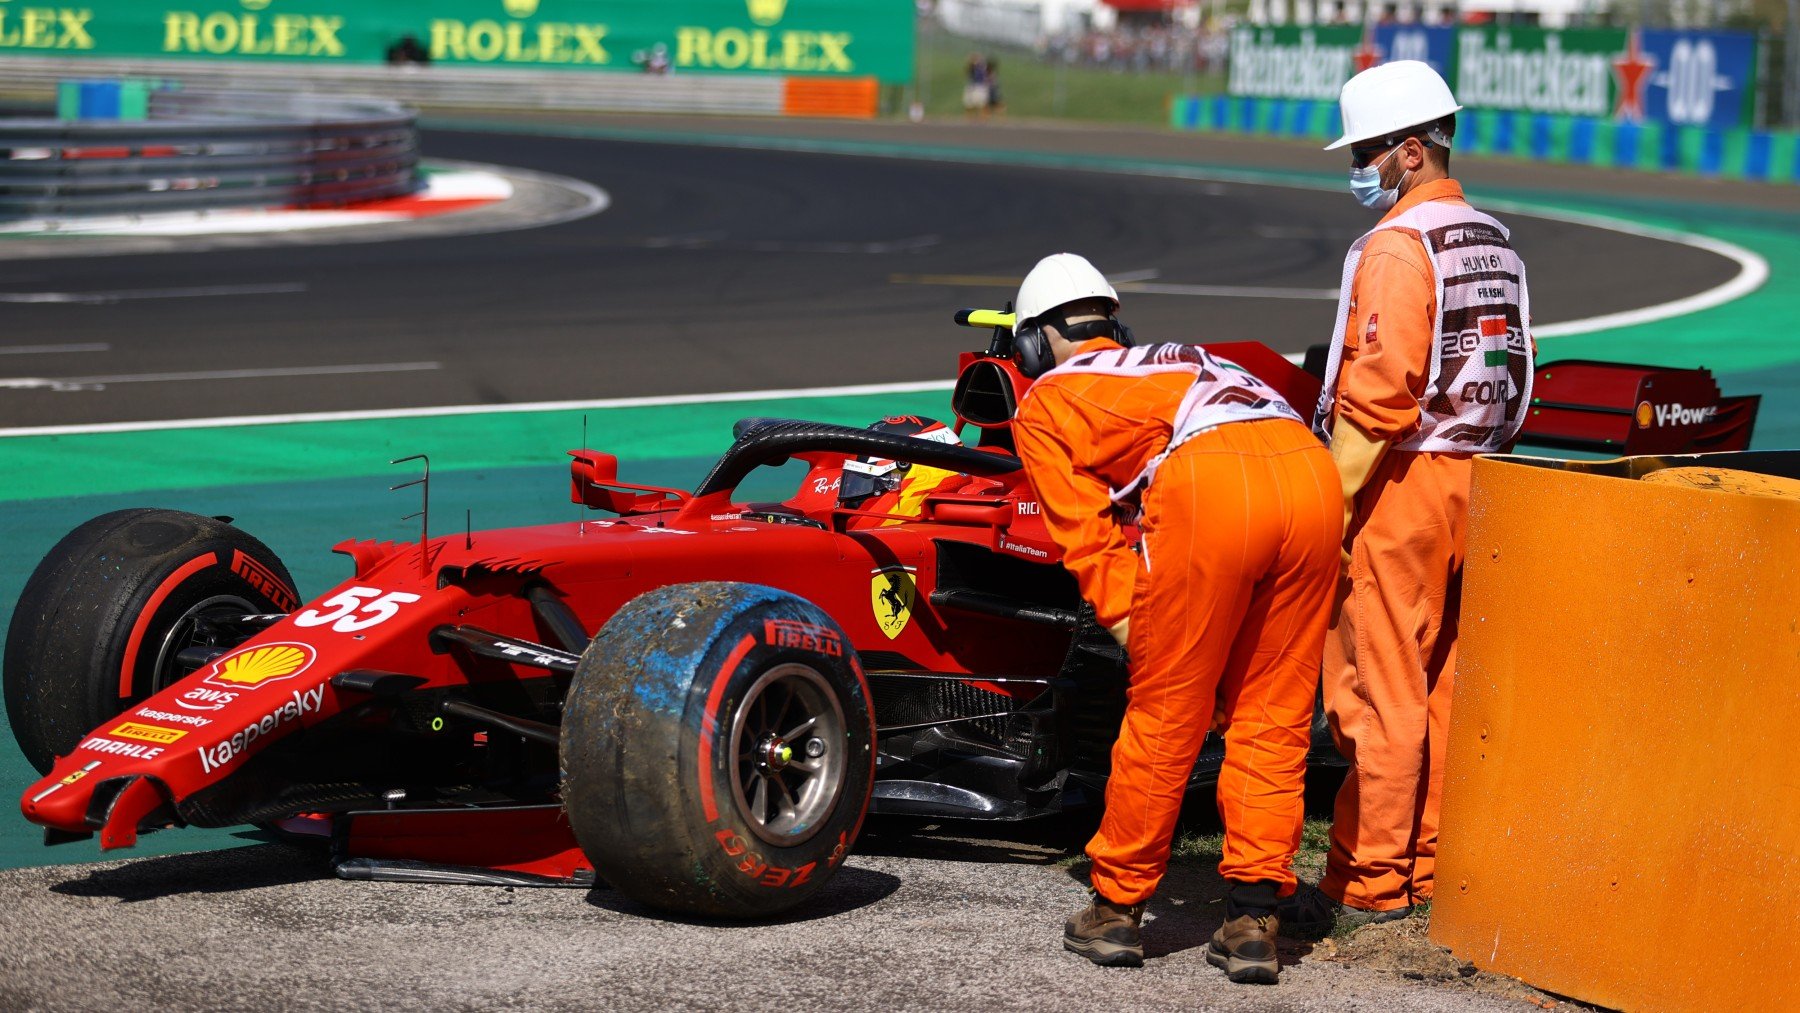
1629,410
1623,409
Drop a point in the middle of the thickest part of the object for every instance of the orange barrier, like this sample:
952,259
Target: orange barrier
844,97
1621,818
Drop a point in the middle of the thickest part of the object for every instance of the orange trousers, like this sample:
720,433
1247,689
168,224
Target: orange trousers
1241,529
1390,663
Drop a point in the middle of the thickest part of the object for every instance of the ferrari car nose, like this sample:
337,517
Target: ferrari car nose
60,801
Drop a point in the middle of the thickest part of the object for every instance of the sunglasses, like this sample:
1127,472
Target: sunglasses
1361,157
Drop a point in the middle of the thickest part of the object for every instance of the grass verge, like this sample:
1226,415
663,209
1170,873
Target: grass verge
1037,89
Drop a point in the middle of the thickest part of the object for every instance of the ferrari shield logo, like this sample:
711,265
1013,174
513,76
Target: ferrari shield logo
891,594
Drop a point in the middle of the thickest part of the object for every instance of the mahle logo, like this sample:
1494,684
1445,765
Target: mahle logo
766,12
252,668
521,8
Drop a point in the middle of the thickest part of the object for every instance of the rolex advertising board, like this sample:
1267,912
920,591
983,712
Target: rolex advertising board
861,38
1681,78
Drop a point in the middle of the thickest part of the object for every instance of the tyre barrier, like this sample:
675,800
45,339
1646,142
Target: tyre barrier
1760,155
202,150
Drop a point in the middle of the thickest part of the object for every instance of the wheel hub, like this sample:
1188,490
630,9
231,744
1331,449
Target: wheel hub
786,777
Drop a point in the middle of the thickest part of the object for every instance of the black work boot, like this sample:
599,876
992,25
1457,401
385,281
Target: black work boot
1308,914
1106,933
1244,947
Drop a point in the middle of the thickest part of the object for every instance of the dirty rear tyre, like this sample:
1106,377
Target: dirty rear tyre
718,750
103,615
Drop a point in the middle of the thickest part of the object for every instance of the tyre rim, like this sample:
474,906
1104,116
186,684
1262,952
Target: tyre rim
789,754
186,633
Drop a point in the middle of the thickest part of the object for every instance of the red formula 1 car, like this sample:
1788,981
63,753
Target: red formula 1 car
695,698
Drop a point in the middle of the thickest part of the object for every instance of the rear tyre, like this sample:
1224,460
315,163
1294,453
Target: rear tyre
718,750
103,617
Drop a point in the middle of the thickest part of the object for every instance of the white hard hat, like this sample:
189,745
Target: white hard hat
1391,98
1057,279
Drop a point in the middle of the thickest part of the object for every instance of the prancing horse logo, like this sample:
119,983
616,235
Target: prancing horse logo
891,595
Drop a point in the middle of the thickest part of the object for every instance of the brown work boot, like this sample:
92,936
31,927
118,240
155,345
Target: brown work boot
1244,947
1106,933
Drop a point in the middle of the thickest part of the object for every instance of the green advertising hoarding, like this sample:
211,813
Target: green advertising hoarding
1685,78
1538,71
1293,62
857,38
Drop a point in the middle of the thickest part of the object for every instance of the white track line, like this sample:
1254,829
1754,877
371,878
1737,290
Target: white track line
123,295
483,409
1227,291
83,346
1128,277
1753,271
726,397
66,383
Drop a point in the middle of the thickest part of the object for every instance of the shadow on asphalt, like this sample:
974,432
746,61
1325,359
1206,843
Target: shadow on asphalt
229,871
850,888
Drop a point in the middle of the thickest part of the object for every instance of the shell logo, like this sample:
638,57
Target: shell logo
1644,415
521,8
766,12
256,666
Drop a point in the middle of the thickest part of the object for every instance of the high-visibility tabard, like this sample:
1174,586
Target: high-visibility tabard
1481,363
1222,392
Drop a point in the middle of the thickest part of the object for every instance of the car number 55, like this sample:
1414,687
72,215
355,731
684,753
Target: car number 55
356,609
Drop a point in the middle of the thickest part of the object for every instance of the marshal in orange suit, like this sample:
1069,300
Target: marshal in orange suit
1224,602
1430,364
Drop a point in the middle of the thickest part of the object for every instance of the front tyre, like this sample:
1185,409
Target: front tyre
105,615
718,750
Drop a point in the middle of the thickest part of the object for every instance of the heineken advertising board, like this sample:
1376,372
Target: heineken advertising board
861,38
1683,78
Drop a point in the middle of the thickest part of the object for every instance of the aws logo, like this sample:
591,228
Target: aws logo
253,667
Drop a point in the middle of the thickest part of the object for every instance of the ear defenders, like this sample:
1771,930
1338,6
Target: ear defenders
1031,346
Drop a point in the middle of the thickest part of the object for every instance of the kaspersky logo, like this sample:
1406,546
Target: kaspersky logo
301,704
255,667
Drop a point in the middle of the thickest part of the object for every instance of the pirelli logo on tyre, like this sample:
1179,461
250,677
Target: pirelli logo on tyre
147,733
263,579
255,667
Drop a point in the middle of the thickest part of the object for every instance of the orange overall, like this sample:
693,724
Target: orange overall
1228,603
1390,658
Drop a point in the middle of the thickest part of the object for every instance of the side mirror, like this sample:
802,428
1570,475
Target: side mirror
987,391
594,482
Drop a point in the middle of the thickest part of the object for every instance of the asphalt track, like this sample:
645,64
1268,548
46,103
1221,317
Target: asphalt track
934,925
714,269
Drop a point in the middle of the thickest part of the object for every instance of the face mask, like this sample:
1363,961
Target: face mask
1365,185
